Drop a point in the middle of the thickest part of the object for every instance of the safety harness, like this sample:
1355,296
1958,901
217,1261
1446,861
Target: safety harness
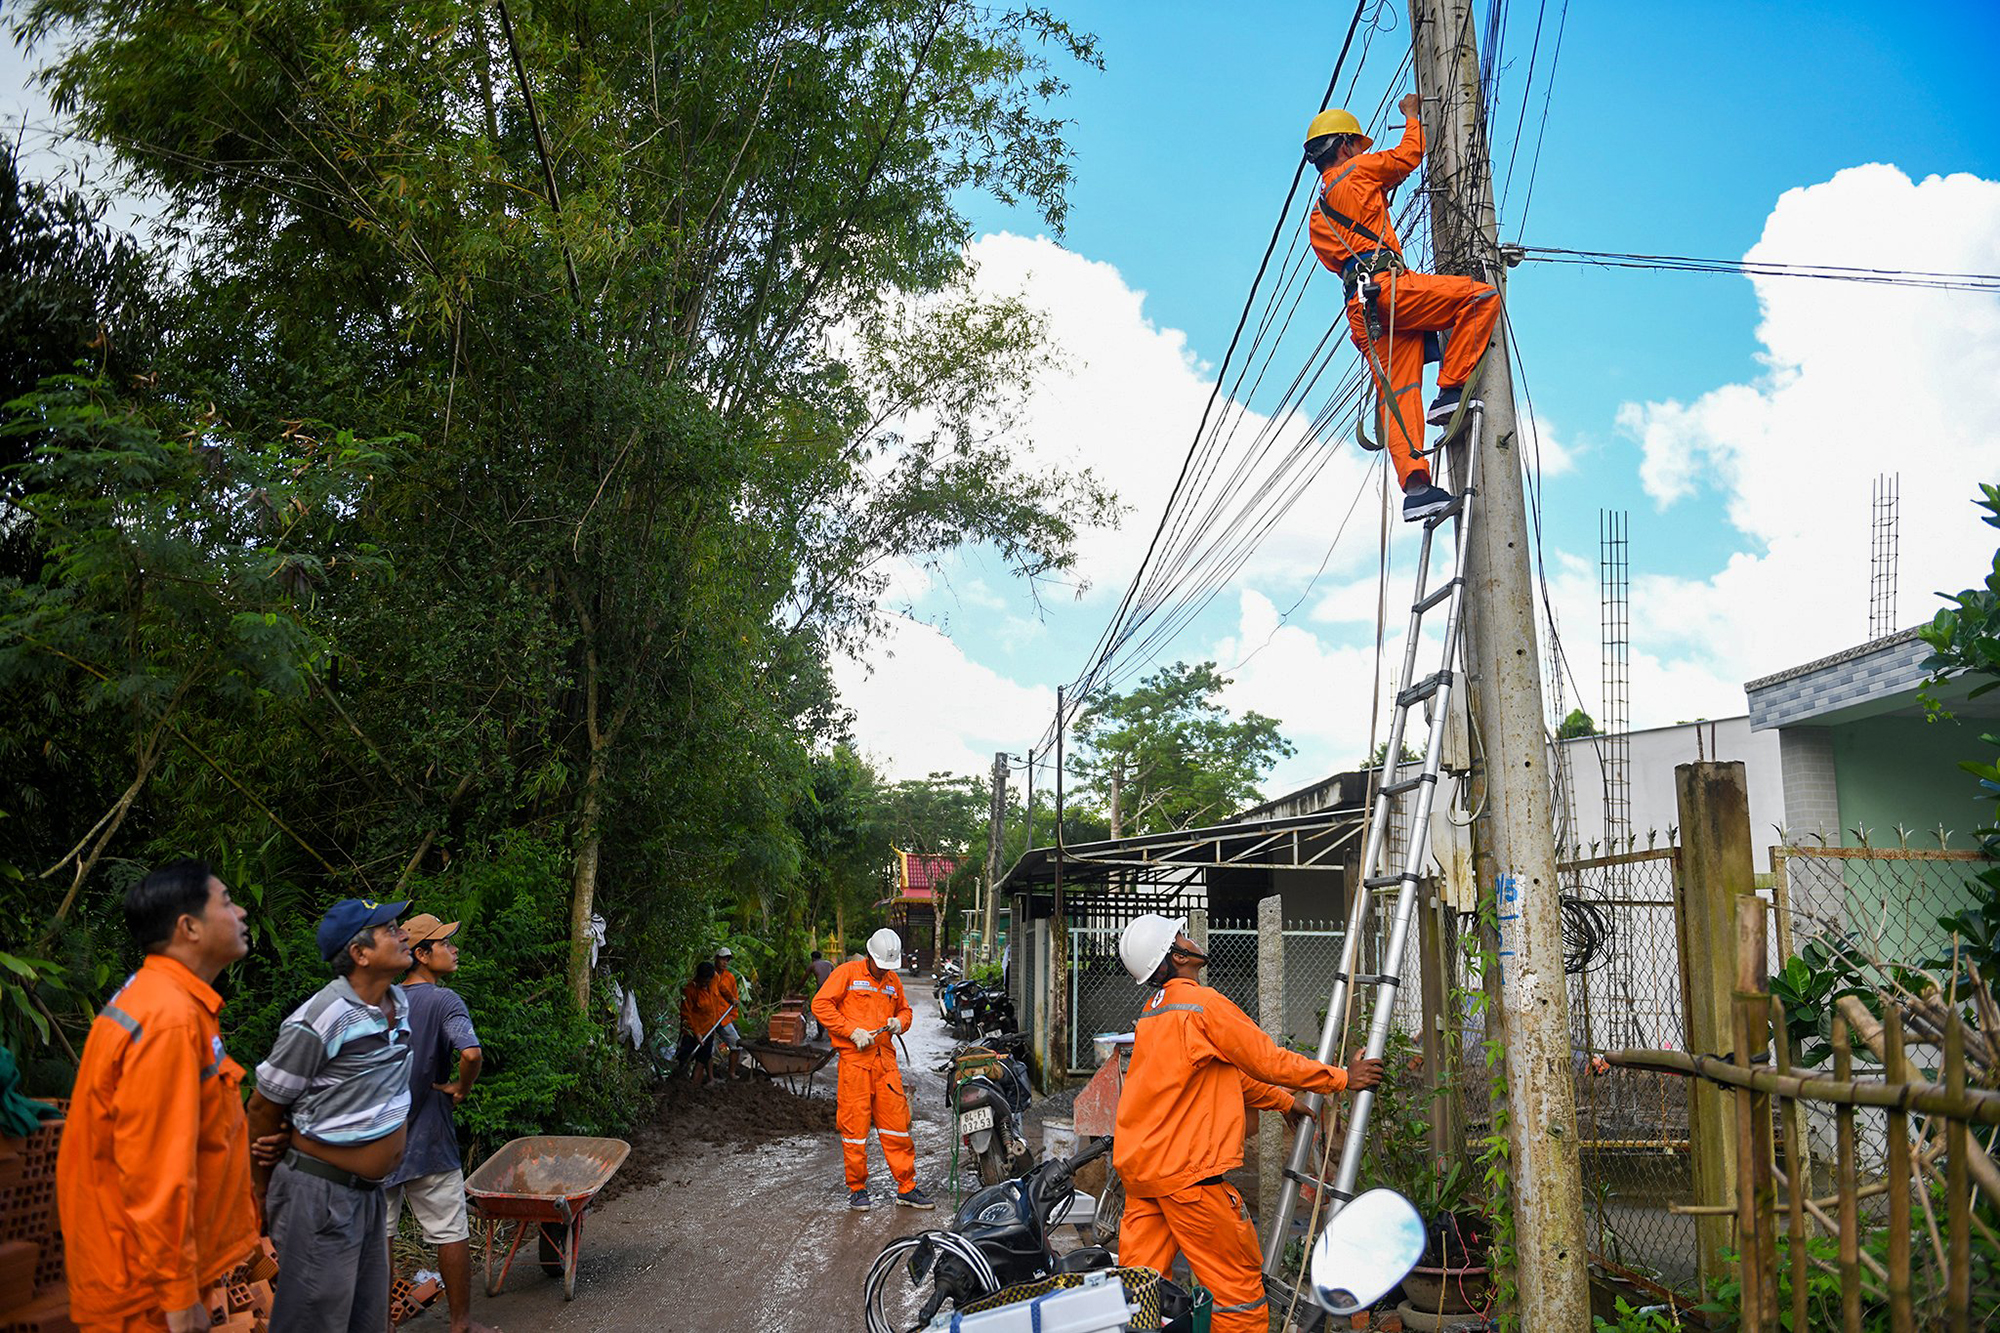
1359,275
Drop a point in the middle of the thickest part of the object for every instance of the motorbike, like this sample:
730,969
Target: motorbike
988,1097
977,1012
998,1238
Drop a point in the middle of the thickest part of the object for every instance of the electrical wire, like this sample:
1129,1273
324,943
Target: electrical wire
1758,268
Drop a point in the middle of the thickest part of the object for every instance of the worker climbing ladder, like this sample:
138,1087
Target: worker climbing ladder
1395,793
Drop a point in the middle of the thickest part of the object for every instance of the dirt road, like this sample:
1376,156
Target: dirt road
740,1234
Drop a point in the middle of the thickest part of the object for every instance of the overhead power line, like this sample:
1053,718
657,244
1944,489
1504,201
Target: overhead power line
1754,268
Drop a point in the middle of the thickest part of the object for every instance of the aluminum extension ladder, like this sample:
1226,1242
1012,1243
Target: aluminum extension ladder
1421,789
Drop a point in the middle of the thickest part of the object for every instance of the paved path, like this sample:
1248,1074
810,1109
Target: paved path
726,1240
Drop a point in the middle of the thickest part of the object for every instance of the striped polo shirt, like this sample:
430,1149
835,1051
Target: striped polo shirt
342,1066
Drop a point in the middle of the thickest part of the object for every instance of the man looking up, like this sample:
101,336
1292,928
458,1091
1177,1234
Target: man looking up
432,1178
153,1175
340,1073
1353,235
862,1004
1197,1060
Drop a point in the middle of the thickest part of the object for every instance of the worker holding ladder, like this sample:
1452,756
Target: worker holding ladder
1197,1061
1393,314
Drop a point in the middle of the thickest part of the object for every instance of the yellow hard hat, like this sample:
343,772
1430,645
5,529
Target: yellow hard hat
1336,121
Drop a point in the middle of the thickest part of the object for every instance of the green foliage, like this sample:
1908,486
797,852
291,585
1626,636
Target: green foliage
1645,1319
1965,641
1172,753
1809,985
460,521
1576,723
1724,1304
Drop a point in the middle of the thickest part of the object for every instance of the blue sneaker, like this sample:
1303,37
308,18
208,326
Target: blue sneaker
858,1201
1424,501
914,1198
1445,405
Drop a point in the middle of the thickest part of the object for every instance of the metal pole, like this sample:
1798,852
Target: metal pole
1058,935
996,831
1515,829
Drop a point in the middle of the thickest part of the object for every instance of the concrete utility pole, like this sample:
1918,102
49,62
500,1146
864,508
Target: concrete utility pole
1515,834
996,831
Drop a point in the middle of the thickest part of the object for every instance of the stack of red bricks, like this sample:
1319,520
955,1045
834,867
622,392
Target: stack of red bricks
243,1299
33,1296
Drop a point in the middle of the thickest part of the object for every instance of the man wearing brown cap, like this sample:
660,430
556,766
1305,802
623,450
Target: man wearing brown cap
431,1179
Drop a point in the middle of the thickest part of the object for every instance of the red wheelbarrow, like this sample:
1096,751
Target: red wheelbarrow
546,1182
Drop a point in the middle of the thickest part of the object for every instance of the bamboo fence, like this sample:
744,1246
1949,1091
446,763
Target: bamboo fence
1950,1107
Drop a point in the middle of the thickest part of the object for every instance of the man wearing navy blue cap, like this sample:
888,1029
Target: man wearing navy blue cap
339,1077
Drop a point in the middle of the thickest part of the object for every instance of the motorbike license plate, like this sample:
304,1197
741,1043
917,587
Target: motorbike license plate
978,1118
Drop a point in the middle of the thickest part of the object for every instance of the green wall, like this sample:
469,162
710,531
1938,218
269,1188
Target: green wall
1904,770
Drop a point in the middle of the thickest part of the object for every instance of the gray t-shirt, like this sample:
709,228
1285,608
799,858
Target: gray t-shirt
439,1027
342,1065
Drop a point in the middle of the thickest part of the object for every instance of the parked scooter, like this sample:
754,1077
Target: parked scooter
977,1012
988,1098
999,1237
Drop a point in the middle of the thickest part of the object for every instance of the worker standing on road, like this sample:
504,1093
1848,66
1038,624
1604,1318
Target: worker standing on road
1197,1060
727,1036
702,1010
1391,312
863,1005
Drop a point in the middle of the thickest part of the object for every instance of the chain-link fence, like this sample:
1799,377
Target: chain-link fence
1623,955
1232,962
1102,997
1862,918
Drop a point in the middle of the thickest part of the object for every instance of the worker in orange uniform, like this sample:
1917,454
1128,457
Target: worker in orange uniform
703,1010
863,1005
1392,313
153,1176
1197,1061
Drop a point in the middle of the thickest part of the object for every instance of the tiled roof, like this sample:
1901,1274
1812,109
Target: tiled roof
1862,674
918,876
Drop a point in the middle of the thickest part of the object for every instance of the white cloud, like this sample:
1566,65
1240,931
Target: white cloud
921,706
1859,380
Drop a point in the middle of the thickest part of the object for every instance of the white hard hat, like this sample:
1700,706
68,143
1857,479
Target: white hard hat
1143,945
886,948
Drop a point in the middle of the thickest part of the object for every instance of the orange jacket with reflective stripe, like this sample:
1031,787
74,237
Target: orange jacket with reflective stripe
852,997
1196,1061
153,1176
701,1008
1360,191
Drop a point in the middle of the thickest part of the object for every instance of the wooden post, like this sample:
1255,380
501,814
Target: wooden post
1756,1200
1790,1115
1271,1017
1440,1034
1850,1204
1902,1317
1716,868
1957,1192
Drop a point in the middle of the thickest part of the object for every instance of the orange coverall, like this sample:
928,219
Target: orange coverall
1411,304
1197,1061
870,1086
153,1176
701,1008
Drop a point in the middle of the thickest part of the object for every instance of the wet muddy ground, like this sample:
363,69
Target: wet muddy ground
732,1214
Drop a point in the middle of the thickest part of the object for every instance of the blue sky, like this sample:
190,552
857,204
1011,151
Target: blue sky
1665,134
1740,424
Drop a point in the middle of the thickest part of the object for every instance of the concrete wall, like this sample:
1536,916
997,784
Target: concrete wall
1812,785
1654,753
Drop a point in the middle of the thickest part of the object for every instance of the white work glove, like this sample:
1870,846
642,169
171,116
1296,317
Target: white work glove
893,1025
862,1038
